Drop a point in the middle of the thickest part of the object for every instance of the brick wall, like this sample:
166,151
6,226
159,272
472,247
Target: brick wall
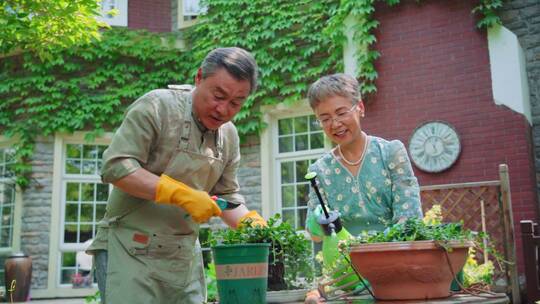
153,15
435,65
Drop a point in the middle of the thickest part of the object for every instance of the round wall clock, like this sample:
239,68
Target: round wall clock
434,146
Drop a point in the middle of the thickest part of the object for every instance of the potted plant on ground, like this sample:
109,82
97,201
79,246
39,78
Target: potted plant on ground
415,259
289,262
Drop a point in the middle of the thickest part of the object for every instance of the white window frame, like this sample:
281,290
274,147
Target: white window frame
17,211
17,208
54,289
120,19
182,12
271,158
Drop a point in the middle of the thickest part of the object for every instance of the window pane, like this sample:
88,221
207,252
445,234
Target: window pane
68,267
302,214
6,215
68,259
7,207
285,126
87,192
5,237
2,277
301,170
288,216
313,124
67,275
87,213
101,149
301,124
287,196
301,142
285,144
74,151
73,166
85,233
100,211
72,212
10,170
90,152
317,140
89,167
102,192
287,172
72,192
70,233
302,194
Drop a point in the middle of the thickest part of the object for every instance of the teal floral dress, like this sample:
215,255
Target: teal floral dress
383,191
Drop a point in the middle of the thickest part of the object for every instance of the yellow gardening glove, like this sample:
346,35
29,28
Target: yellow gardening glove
254,218
197,203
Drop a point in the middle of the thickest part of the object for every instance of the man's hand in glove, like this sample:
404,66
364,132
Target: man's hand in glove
252,217
197,203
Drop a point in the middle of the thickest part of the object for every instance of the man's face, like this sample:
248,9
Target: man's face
218,98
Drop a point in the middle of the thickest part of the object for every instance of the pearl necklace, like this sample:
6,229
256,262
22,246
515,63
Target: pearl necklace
353,163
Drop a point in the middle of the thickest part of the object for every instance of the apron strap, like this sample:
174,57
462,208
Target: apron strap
219,143
184,137
186,127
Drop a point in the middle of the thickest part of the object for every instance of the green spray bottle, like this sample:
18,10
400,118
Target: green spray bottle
333,232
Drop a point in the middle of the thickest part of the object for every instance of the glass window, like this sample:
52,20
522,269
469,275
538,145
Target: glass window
7,204
294,191
300,143
84,199
191,9
299,134
114,12
7,162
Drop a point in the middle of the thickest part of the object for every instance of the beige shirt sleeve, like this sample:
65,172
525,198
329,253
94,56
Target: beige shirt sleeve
132,142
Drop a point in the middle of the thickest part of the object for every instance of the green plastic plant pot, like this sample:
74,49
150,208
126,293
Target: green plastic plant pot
241,272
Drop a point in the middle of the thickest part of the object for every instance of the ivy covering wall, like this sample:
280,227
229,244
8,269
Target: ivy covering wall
89,87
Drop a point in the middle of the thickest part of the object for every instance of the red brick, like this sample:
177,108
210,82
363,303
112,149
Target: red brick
435,66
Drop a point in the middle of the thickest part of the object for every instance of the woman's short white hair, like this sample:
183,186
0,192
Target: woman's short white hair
334,85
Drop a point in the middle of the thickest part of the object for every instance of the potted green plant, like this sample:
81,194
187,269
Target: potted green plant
412,260
289,261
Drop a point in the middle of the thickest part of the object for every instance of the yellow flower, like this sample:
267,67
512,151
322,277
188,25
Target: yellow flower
434,215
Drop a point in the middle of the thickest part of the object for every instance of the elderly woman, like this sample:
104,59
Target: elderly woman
367,179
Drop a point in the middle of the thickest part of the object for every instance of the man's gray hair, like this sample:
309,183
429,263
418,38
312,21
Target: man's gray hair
334,85
236,61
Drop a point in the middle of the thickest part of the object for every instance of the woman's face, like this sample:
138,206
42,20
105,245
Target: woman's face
339,119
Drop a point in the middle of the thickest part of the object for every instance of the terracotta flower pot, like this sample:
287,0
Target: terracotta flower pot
409,270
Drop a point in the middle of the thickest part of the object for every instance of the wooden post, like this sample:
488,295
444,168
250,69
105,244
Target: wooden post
484,230
508,222
530,249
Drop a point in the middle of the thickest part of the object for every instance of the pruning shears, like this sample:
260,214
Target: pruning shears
224,204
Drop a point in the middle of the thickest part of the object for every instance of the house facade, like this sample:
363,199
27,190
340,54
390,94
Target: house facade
435,66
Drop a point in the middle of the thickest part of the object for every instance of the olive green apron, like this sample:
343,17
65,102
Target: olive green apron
153,251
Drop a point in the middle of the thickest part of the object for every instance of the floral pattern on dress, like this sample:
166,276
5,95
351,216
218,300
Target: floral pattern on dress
384,190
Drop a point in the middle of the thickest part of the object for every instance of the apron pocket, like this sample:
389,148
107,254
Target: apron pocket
170,258
166,258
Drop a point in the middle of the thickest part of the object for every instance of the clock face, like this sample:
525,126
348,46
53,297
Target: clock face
434,146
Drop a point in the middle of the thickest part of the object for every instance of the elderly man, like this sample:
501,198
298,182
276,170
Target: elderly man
173,148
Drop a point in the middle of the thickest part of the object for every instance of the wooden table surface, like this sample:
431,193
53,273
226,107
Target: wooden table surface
498,298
